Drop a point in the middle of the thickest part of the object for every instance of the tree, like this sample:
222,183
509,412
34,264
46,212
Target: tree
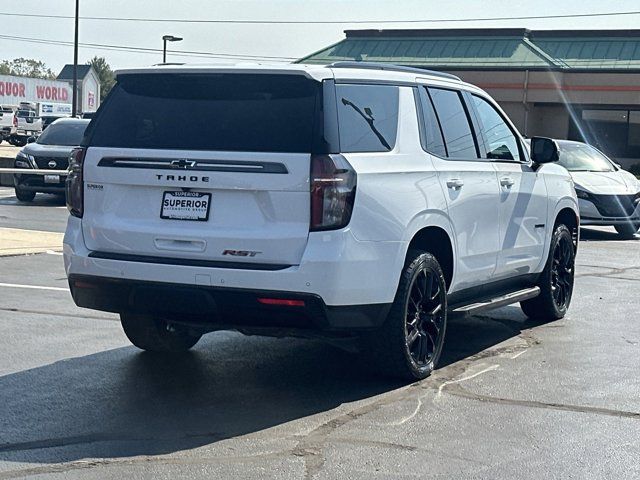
105,74
26,67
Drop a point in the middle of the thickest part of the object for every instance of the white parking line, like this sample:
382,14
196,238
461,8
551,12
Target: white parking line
34,287
51,252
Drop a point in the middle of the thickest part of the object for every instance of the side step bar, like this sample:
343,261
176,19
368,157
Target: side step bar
497,302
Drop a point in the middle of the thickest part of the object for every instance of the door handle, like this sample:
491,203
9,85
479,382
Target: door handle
507,182
455,183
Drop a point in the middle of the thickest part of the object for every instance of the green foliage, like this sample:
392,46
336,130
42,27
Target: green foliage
26,67
105,74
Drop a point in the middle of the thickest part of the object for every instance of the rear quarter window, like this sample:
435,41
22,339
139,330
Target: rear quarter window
367,117
233,112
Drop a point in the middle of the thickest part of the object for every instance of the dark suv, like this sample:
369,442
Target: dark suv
50,151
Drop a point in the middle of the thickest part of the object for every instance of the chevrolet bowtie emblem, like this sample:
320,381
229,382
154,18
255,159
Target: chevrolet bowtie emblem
182,163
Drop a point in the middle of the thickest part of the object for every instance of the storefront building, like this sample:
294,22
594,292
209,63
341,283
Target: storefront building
575,84
53,97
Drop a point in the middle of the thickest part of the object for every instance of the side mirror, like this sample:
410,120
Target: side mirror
544,150
31,139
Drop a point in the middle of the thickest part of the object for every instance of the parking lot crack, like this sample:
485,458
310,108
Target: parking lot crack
458,391
610,273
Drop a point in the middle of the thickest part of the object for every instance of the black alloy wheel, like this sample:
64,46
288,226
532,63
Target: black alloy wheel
424,318
409,343
627,230
556,280
562,272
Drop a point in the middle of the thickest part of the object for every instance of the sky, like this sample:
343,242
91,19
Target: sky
284,41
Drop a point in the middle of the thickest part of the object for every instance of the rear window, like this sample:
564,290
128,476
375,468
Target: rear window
67,134
234,112
367,117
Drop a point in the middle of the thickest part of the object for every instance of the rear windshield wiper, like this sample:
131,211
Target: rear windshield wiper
370,121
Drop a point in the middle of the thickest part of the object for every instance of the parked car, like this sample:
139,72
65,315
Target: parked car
607,194
7,122
350,200
46,121
50,151
27,125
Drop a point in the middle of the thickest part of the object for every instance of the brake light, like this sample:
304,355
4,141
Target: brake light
283,302
15,120
333,192
75,183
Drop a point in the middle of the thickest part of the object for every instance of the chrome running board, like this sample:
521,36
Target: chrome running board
497,302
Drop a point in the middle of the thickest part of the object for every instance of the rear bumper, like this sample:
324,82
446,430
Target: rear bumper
351,283
36,183
215,308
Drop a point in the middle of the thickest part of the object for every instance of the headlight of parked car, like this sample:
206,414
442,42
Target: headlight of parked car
23,160
582,194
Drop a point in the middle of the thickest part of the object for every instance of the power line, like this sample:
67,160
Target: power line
324,22
182,53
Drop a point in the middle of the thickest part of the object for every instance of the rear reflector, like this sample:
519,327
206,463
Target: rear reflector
281,302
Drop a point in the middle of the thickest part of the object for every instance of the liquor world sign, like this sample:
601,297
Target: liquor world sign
14,90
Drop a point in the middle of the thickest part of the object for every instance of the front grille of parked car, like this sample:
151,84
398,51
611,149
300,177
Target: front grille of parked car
614,205
61,162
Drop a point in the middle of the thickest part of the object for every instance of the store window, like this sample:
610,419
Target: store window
615,132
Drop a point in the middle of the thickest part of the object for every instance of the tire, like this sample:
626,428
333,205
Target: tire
556,280
627,230
410,342
25,195
155,335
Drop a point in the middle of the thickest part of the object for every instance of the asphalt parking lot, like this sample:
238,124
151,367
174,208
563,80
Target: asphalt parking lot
511,399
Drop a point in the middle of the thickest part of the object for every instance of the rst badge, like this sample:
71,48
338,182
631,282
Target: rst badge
241,253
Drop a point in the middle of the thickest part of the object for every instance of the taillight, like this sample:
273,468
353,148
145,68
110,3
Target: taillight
15,121
75,183
333,191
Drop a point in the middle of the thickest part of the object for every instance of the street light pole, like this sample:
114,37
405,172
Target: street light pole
165,39
74,103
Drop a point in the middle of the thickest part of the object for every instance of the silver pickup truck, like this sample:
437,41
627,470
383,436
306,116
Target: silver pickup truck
7,122
28,125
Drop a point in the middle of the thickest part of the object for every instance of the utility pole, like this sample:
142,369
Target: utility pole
74,104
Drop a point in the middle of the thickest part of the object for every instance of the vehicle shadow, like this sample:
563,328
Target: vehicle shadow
591,234
41,200
122,402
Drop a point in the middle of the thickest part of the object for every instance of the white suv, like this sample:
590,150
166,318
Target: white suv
348,200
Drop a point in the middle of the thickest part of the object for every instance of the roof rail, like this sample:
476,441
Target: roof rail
391,67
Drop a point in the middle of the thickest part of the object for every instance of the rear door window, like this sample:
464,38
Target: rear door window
454,120
232,112
367,117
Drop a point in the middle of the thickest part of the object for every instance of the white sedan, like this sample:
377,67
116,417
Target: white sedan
607,194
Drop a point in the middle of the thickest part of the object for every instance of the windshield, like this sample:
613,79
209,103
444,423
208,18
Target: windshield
583,158
24,114
66,134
